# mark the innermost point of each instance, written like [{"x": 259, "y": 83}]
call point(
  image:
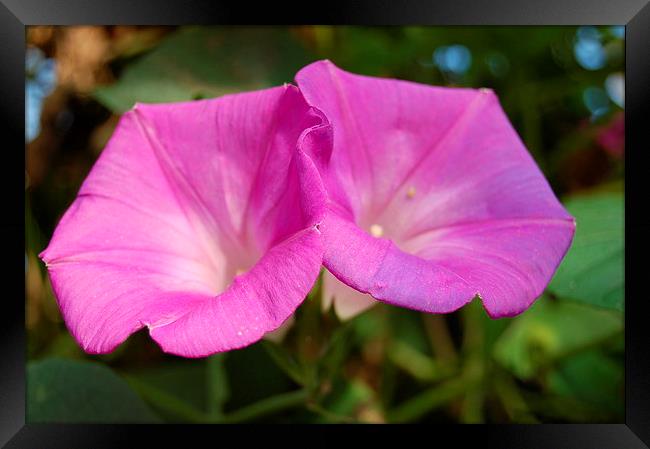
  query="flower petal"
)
[
  {"x": 184, "y": 198},
  {"x": 435, "y": 198},
  {"x": 256, "y": 303},
  {"x": 347, "y": 301},
  {"x": 378, "y": 267}
]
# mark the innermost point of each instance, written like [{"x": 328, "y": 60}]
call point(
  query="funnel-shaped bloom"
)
[
  {"x": 199, "y": 221},
  {"x": 433, "y": 198}
]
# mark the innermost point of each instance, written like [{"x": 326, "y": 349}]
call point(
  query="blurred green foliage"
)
[
  {"x": 551, "y": 331},
  {"x": 198, "y": 62},
  {"x": 560, "y": 361}
]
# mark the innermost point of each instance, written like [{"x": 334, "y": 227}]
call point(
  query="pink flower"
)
[
  {"x": 199, "y": 221},
  {"x": 433, "y": 198}
]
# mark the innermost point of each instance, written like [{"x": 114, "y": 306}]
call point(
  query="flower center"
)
[
  {"x": 376, "y": 230},
  {"x": 232, "y": 261},
  {"x": 386, "y": 224},
  {"x": 410, "y": 193}
]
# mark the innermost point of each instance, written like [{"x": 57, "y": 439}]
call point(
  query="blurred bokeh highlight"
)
[{"x": 561, "y": 361}]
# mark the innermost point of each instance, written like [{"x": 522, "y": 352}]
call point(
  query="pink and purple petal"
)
[
  {"x": 199, "y": 221},
  {"x": 434, "y": 198}
]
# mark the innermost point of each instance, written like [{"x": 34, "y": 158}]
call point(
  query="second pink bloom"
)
[{"x": 433, "y": 198}]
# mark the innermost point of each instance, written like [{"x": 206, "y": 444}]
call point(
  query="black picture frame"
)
[{"x": 634, "y": 14}]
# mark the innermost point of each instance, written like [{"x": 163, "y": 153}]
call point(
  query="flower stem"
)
[
  {"x": 217, "y": 385},
  {"x": 440, "y": 339},
  {"x": 333, "y": 417},
  {"x": 429, "y": 400},
  {"x": 512, "y": 401},
  {"x": 177, "y": 407},
  {"x": 266, "y": 406}
]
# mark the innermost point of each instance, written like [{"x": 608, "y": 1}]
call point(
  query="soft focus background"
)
[{"x": 561, "y": 361}]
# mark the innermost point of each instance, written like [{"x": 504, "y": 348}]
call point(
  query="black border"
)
[{"x": 635, "y": 14}]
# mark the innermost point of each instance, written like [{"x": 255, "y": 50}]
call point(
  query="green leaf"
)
[
  {"x": 408, "y": 328},
  {"x": 350, "y": 402},
  {"x": 371, "y": 324},
  {"x": 551, "y": 330},
  {"x": 285, "y": 361},
  {"x": 557, "y": 408},
  {"x": 60, "y": 390},
  {"x": 255, "y": 377},
  {"x": 337, "y": 349},
  {"x": 169, "y": 406},
  {"x": 184, "y": 379},
  {"x": 202, "y": 62},
  {"x": 593, "y": 271},
  {"x": 592, "y": 377},
  {"x": 413, "y": 361}
]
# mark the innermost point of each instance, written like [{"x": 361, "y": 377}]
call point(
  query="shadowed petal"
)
[
  {"x": 347, "y": 301},
  {"x": 434, "y": 197},
  {"x": 198, "y": 221}
]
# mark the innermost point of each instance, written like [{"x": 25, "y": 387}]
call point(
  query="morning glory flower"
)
[
  {"x": 199, "y": 221},
  {"x": 433, "y": 198}
]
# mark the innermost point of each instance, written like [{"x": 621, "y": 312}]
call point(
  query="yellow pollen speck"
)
[
  {"x": 410, "y": 192},
  {"x": 376, "y": 230},
  {"x": 240, "y": 271}
]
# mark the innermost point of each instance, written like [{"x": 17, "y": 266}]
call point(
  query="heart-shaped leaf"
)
[
  {"x": 73, "y": 391},
  {"x": 593, "y": 270}
]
